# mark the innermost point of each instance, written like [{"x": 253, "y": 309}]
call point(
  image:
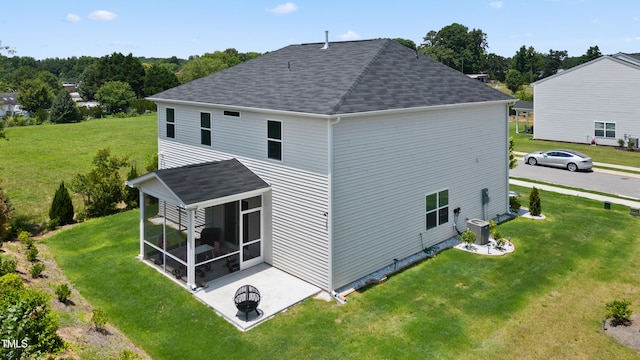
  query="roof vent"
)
[{"x": 326, "y": 40}]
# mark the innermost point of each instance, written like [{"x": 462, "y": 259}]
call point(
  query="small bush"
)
[
  {"x": 36, "y": 270},
  {"x": 618, "y": 311},
  {"x": 63, "y": 292},
  {"x": 11, "y": 282},
  {"x": 468, "y": 237},
  {"x": 128, "y": 355},
  {"x": 61, "y": 207},
  {"x": 514, "y": 203},
  {"x": 8, "y": 265},
  {"x": 99, "y": 319},
  {"x": 630, "y": 145},
  {"x": 32, "y": 254},
  {"x": 535, "y": 208},
  {"x": 621, "y": 142}
]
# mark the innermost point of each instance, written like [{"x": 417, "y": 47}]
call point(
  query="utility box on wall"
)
[{"x": 481, "y": 229}]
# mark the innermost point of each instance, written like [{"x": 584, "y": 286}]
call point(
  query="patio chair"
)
[{"x": 209, "y": 236}]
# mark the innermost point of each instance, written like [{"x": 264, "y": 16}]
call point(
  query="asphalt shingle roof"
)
[
  {"x": 348, "y": 77},
  {"x": 207, "y": 181}
]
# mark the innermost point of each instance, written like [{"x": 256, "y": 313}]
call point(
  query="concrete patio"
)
[{"x": 278, "y": 291}]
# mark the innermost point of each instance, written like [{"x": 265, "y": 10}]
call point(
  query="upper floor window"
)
[
  {"x": 437, "y": 209},
  {"x": 171, "y": 126},
  {"x": 205, "y": 128},
  {"x": 232, "y": 113},
  {"x": 274, "y": 140},
  {"x": 605, "y": 129}
]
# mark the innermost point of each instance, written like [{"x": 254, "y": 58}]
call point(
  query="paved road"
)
[{"x": 611, "y": 183}]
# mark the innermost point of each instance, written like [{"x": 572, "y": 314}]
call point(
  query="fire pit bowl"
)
[{"x": 247, "y": 299}]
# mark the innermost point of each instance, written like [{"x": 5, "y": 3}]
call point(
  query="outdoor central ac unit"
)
[{"x": 481, "y": 229}]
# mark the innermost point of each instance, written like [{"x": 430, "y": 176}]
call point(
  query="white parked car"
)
[{"x": 565, "y": 159}]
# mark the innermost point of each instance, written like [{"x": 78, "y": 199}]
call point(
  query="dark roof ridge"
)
[{"x": 360, "y": 76}]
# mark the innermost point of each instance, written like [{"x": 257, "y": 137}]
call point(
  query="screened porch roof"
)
[{"x": 201, "y": 185}]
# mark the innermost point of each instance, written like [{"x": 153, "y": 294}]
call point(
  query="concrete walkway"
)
[{"x": 632, "y": 203}]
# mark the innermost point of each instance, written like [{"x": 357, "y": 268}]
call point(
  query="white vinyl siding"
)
[
  {"x": 305, "y": 139},
  {"x": 384, "y": 167},
  {"x": 295, "y": 233},
  {"x": 567, "y": 105}
]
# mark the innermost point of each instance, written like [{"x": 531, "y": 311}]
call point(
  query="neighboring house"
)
[
  {"x": 597, "y": 100},
  {"x": 10, "y": 104},
  {"x": 327, "y": 161}
]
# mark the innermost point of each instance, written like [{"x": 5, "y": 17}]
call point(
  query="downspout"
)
[
  {"x": 330, "y": 124},
  {"x": 143, "y": 216}
]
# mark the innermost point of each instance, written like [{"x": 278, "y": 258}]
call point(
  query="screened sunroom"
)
[{"x": 201, "y": 222}]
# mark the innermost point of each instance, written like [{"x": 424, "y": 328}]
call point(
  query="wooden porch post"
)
[{"x": 191, "y": 249}]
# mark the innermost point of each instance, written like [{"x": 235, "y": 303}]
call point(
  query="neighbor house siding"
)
[
  {"x": 385, "y": 165},
  {"x": 567, "y": 105},
  {"x": 304, "y": 140},
  {"x": 297, "y": 242}
]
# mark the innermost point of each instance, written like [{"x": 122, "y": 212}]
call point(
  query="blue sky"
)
[{"x": 64, "y": 28}]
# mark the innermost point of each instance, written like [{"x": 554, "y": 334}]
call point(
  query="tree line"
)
[{"x": 118, "y": 82}]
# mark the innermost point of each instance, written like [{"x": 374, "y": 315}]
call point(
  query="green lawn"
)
[
  {"x": 37, "y": 158},
  {"x": 546, "y": 300}
]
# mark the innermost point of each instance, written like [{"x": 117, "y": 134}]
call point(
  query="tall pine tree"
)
[
  {"x": 534, "y": 202},
  {"x": 61, "y": 206}
]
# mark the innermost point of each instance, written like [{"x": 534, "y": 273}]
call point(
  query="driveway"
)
[{"x": 610, "y": 182}]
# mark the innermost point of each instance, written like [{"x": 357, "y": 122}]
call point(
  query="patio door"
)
[{"x": 251, "y": 232}]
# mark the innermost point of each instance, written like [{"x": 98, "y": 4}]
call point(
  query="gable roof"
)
[
  {"x": 196, "y": 184},
  {"x": 347, "y": 77},
  {"x": 523, "y": 106},
  {"x": 620, "y": 58},
  {"x": 9, "y": 98}
]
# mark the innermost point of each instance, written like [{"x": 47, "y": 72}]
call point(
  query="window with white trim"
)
[
  {"x": 205, "y": 128},
  {"x": 274, "y": 140},
  {"x": 605, "y": 129},
  {"x": 436, "y": 209},
  {"x": 170, "y": 121}
]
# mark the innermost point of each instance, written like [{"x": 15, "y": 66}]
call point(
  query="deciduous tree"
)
[
  {"x": 102, "y": 187},
  {"x": 35, "y": 95},
  {"x": 115, "y": 96},
  {"x": 457, "y": 47}
]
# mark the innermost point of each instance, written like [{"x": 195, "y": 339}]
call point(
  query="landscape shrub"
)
[
  {"x": 36, "y": 269},
  {"x": 32, "y": 254},
  {"x": 621, "y": 142},
  {"x": 468, "y": 237},
  {"x": 101, "y": 188},
  {"x": 535, "y": 208},
  {"x": 630, "y": 145},
  {"x": 514, "y": 204},
  {"x": 128, "y": 355},
  {"x": 8, "y": 265},
  {"x": 618, "y": 311},
  {"x": 11, "y": 282},
  {"x": 63, "y": 292},
  {"x": 99, "y": 319},
  {"x": 131, "y": 195},
  {"x": 61, "y": 207},
  {"x": 5, "y": 216},
  {"x": 25, "y": 316}
]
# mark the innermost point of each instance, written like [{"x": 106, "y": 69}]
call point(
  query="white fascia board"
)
[{"x": 226, "y": 199}]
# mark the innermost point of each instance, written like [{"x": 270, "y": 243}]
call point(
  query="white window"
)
[
  {"x": 436, "y": 209},
  {"x": 605, "y": 129},
  {"x": 171, "y": 123}
]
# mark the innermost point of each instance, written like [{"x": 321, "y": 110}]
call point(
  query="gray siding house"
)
[
  {"x": 597, "y": 100},
  {"x": 363, "y": 152}
]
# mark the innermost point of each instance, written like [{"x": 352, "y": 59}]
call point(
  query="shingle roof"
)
[
  {"x": 523, "y": 105},
  {"x": 207, "y": 181},
  {"x": 348, "y": 77}
]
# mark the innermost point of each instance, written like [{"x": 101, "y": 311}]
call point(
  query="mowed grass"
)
[
  {"x": 544, "y": 301},
  {"x": 37, "y": 158}
]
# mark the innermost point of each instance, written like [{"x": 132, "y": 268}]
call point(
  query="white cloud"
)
[
  {"x": 349, "y": 35},
  {"x": 637, "y": 38},
  {"x": 284, "y": 8},
  {"x": 72, "y": 17},
  {"x": 496, "y": 4},
  {"x": 102, "y": 15}
]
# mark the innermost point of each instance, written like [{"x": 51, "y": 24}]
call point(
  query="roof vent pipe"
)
[{"x": 326, "y": 40}]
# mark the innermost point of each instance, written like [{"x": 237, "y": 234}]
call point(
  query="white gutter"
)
[{"x": 330, "y": 124}]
